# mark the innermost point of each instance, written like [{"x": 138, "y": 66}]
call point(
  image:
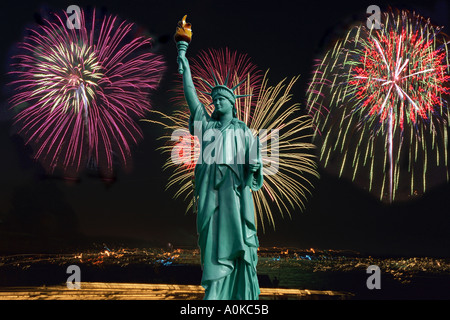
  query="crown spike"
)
[
  {"x": 207, "y": 83},
  {"x": 226, "y": 79},
  {"x": 216, "y": 82},
  {"x": 236, "y": 86},
  {"x": 243, "y": 95}
]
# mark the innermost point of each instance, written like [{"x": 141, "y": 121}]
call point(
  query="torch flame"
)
[{"x": 184, "y": 31}]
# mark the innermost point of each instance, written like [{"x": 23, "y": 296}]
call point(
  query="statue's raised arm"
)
[
  {"x": 188, "y": 85},
  {"x": 183, "y": 37}
]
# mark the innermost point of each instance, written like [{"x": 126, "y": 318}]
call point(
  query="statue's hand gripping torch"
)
[{"x": 183, "y": 36}]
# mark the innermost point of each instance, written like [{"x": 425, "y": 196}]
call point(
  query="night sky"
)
[{"x": 42, "y": 213}]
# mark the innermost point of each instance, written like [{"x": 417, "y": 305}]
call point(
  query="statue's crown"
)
[{"x": 223, "y": 87}]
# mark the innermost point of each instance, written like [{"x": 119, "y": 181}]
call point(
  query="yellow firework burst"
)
[{"x": 284, "y": 132}]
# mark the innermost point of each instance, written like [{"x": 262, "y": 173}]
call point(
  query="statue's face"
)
[{"x": 222, "y": 105}]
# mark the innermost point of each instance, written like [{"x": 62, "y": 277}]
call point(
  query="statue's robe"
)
[{"x": 225, "y": 211}]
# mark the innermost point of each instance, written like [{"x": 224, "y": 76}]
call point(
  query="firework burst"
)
[
  {"x": 80, "y": 91},
  {"x": 283, "y": 133},
  {"x": 377, "y": 99}
]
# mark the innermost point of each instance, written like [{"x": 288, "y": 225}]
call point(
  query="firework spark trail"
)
[
  {"x": 268, "y": 109},
  {"x": 391, "y": 152},
  {"x": 80, "y": 91},
  {"x": 388, "y": 86}
]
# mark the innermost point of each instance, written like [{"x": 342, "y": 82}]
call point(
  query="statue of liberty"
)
[{"x": 230, "y": 168}]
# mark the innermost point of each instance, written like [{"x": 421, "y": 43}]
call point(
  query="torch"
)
[{"x": 182, "y": 38}]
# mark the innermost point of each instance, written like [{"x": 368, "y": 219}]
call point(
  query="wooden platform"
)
[{"x": 135, "y": 291}]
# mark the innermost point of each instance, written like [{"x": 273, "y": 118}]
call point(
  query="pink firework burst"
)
[
  {"x": 223, "y": 63},
  {"x": 79, "y": 92}
]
